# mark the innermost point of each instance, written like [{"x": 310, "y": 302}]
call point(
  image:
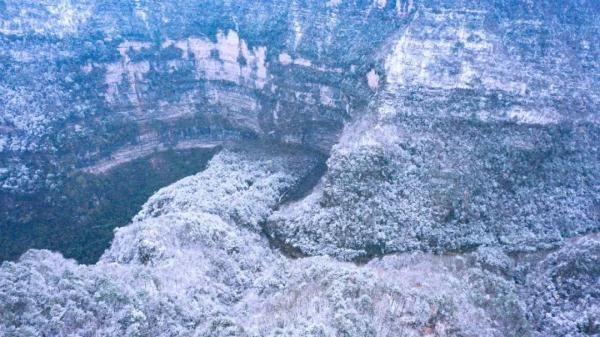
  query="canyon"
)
[{"x": 305, "y": 168}]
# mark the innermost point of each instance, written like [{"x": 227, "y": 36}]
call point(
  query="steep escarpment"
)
[
  {"x": 88, "y": 87},
  {"x": 91, "y": 85},
  {"x": 470, "y": 140},
  {"x": 460, "y": 197}
]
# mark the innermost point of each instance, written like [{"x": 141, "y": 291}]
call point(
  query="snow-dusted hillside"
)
[
  {"x": 195, "y": 262},
  {"x": 384, "y": 168}
]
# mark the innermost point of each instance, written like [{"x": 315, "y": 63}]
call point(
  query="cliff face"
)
[
  {"x": 484, "y": 131},
  {"x": 89, "y": 84},
  {"x": 461, "y": 195},
  {"x": 86, "y": 81}
]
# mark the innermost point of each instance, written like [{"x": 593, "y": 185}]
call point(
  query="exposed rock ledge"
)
[{"x": 133, "y": 152}]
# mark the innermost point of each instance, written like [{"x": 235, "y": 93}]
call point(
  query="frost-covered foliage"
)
[
  {"x": 203, "y": 272},
  {"x": 565, "y": 287},
  {"x": 458, "y": 150},
  {"x": 59, "y": 18},
  {"x": 18, "y": 177},
  {"x": 182, "y": 296},
  {"x": 475, "y": 138},
  {"x": 173, "y": 274},
  {"x": 400, "y": 183},
  {"x": 399, "y": 295},
  {"x": 241, "y": 186},
  {"x": 28, "y": 114},
  {"x": 44, "y": 294}
]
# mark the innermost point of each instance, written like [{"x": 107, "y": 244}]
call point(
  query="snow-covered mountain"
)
[
  {"x": 196, "y": 262},
  {"x": 460, "y": 194}
]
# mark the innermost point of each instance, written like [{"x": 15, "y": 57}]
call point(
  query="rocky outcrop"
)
[
  {"x": 116, "y": 72},
  {"x": 470, "y": 141},
  {"x": 460, "y": 198}
]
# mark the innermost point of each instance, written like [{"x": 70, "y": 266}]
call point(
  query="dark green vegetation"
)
[{"x": 78, "y": 218}]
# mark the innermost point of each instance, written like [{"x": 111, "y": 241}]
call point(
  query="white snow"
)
[
  {"x": 373, "y": 79},
  {"x": 226, "y": 66},
  {"x": 193, "y": 261}
]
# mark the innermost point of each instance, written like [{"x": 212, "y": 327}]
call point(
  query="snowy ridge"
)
[{"x": 193, "y": 264}]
